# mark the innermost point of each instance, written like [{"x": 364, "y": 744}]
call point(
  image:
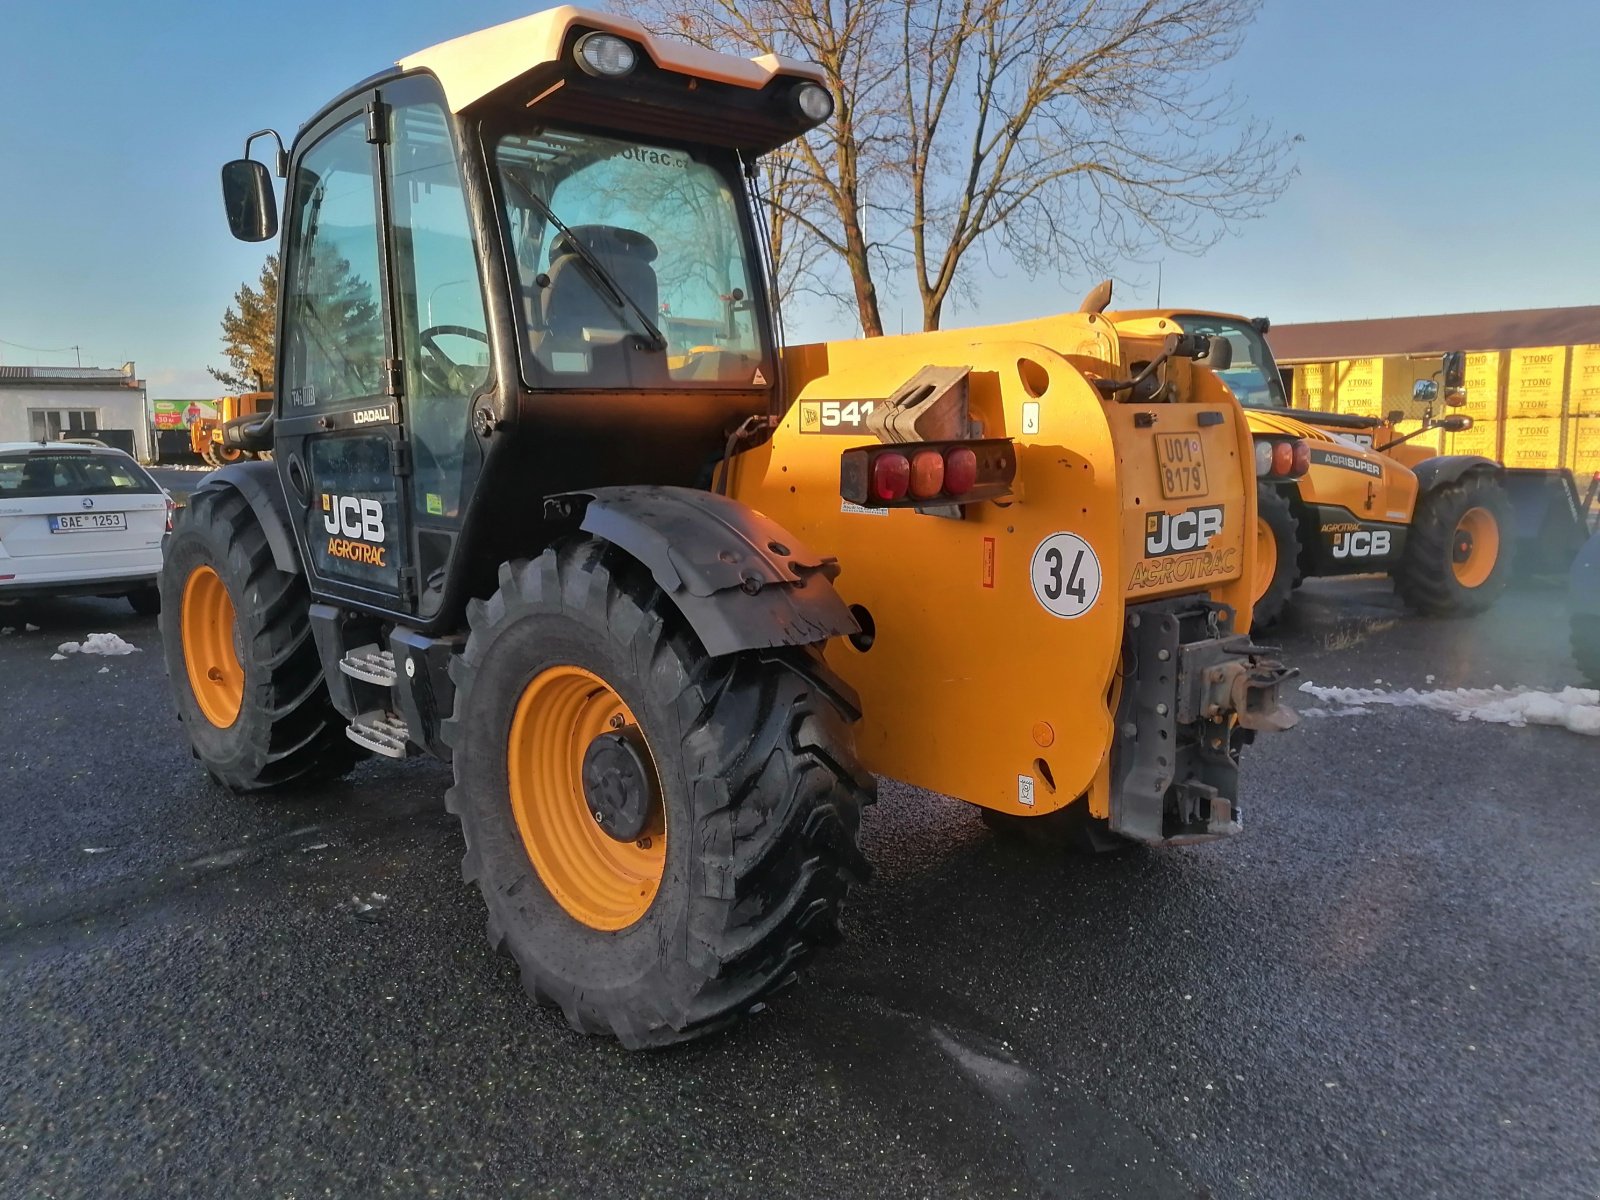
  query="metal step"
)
[
  {"x": 371, "y": 664},
  {"x": 381, "y": 732}
]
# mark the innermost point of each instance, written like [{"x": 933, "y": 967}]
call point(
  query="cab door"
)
[{"x": 340, "y": 449}]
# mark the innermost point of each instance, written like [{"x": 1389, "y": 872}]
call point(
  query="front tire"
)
[
  {"x": 243, "y": 667},
  {"x": 1457, "y": 557},
  {"x": 146, "y": 601},
  {"x": 1277, "y": 556},
  {"x": 708, "y": 904}
]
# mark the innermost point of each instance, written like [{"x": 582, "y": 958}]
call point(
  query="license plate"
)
[
  {"x": 86, "y": 522},
  {"x": 1181, "y": 461}
]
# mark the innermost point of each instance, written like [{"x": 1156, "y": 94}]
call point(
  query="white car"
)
[{"x": 77, "y": 519}]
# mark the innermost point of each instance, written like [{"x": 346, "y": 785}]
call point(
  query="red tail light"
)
[
  {"x": 1282, "y": 458},
  {"x": 1302, "y": 458},
  {"x": 960, "y": 470},
  {"x": 171, "y": 508},
  {"x": 932, "y": 474},
  {"x": 891, "y": 476}
]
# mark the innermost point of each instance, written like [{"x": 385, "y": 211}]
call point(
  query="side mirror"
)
[
  {"x": 1455, "y": 423},
  {"x": 248, "y": 197},
  {"x": 1219, "y": 353},
  {"x": 1455, "y": 368},
  {"x": 1395, "y": 416},
  {"x": 1261, "y": 325},
  {"x": 1424, "y": 389}
]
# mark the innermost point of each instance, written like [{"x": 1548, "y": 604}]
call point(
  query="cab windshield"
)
[
  {"x": 632, "y": 267},
  {"x": 1253, "y": 378}
]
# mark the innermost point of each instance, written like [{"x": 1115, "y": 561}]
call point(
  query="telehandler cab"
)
[
  {"x": 1446, "y": 528},
  {"x": 549, "y": 501}
]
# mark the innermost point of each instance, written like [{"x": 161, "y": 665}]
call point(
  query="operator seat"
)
[{"x": 573, "y": 301}]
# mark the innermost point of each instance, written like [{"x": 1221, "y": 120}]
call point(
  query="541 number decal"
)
[
  {"x": 835, "y": 416},
  {"x": 1065, "y": 575}
]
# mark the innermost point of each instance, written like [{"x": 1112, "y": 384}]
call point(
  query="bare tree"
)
[{"x": 1068, "y": 132}]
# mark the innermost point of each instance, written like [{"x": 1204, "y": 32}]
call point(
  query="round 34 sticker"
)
[{"x": 1065, "y": 574}]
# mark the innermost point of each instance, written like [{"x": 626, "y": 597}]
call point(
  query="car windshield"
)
[
  {"x": 69, "y": 474},
  {"x": 645, "y": 240},
  {"x": 1253, "y": 376}
]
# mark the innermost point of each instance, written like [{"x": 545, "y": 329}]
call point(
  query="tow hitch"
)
[{"x": 1193, "y": 692}]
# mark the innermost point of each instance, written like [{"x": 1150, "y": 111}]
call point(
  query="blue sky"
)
[{"x": 1449, "y": 164}]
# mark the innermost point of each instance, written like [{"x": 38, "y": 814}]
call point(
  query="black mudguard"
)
[
  {"x": 1447, "y": 468},
  {"x": 741, "y": 580},
  {"x": 258, "y": 483}
]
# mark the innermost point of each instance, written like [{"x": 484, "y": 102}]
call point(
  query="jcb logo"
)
[
  {"x": 1178, "y": 533},
  {"x": 353, "y": 517},
  {"x": 1363, "y": 543}
]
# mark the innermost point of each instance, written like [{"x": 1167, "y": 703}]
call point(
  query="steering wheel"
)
[{"x": 451, "y": 379}]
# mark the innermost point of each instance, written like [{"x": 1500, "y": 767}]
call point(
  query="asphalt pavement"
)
[
  {"x": 1385, "y": 987},
  {"x": 179, "y": 481}
]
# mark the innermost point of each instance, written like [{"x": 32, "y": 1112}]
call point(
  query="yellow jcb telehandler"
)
[
  {"x": 209, "y": 438},
  {"x": 666, "y": 602},
  {"x": 1370, "y": 499}
]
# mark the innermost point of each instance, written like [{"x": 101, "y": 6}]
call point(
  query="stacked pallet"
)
[{"x": 1532, "y": 407}]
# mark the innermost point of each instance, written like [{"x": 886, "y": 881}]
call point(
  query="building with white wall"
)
[{"x": 41, "y": 403}]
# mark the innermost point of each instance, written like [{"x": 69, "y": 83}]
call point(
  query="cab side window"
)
[
  {"x": 444, "y": 344},
  {"x": 334, "y": 317}
]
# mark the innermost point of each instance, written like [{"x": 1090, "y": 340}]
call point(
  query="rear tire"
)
[
  {"x": 757, "y": 798},
  {"x": 1277, "y": 533},
  {"x": 146, "y": 601},
  {"x": 255, "y": 660},
  {"x": 1457, "y": 558}
]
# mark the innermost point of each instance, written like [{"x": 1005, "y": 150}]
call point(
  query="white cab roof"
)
[{"x": 476, "y": 64}]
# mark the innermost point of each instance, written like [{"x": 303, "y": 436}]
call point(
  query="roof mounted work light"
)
[
  {"x": 814, "y": 102},
  {"x": 604, "y": 54}
]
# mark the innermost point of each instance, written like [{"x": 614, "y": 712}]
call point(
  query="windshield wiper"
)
[{"x": 620, "y": 300}]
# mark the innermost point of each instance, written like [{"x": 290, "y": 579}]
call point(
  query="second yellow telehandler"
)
[{"x": 1449, "y": 529}]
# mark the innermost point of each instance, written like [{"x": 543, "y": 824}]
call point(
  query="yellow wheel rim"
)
[
  {"x": 1475, "y": 548},
  {"x": 602, "y": 883},
  {"x": 210, "y": 652},
  {"x": 1266, "y": 559}
]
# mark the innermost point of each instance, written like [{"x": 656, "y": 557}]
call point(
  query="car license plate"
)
[
  {"x": 1181, "y": 460},
  {"x": 85, "y": 522}
]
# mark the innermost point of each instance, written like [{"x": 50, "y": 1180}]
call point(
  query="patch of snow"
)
[
  {"x": 31, "y": 628},
  {"x": 8, "y": 629},
  {"x": 58, "y": 658},
  {"x": 104, "y": 643},
  {"x": 97, "y": 849},
  {"x": 1577, "y": 709},
  {"x": 103, "y": 671},
  {"x": 69, "y": 647}
]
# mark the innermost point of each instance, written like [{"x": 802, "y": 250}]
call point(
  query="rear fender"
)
[
  {"x": 740, "y": 579},
  {"x": 258, "y": 483},
  {"x": 1448, "y": 468}
]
